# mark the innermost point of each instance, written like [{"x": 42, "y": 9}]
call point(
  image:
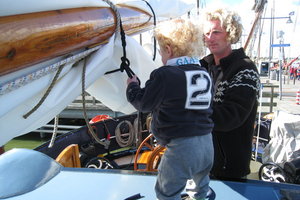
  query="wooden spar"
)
[
  {"x": 258, "y": 8},
  {"x": 29, "y": 39},
  {"x": 252, "y": 30}
]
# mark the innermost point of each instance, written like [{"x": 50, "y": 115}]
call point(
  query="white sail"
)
[{"x": 109, "y": 89}]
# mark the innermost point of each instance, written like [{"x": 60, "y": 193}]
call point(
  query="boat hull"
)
[{"x": 49, "y": 180}]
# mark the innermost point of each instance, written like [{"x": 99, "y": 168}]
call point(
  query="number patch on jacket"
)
[{"x": 198, "y": 90}]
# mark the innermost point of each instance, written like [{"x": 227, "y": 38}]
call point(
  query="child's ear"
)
[{"x": 169, "y": 51}]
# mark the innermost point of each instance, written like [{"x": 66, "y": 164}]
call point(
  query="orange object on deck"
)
[{"x": 99, "y": 118}]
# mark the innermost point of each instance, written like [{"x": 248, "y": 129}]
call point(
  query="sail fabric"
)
[
  {"x": 285, "y": 138},
  {"x": 19, "y": 6},
  {"x": 162, "y": 8},
  {"x": 109, "y": 89}
]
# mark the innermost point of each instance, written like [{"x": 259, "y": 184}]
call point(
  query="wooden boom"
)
[{"x": 28, "y": 39}]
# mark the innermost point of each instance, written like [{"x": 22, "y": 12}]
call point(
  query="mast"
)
[{"x": 259, "y": 9}]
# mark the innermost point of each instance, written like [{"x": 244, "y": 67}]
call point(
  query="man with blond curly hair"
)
[
  {"x": 179, "y": 95},
  {"x": 236, "y": 83}
]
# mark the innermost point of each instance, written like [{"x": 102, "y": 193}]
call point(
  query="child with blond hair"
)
[{"x": 179, "y": 96}]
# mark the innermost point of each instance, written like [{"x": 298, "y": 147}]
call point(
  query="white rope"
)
[
  {"x": 259, "y": 121},
  {"x": 137, "y": 130},
  {"x": 116, "y": 11},
  {"x": 56, "y": 118}
]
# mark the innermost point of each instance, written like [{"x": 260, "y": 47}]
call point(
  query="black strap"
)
[
  {"x": 154, "y": 22},
  {"x": 125, "y": 62}
]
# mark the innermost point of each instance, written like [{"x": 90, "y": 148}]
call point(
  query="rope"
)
[
  {"x": 124, "y": 142},
  {"x": 61, "y": 67},
  {"x": 106, "y": 142},
  {"x": 46, "y": 93},
  {"x": 16, "y": 83},
  {"x": 154, "y": 22},
  {"x": 124, "y": 66},
  {"x": 116, "y": 11},
  {"x": 125, "y": 62},
  {"x": 137, "y": 130},
  {"x": 54, "y": 132},
  {"x": 118, "y": 26}
]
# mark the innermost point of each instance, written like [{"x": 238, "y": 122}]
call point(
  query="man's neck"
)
[{"x": 218, "y": 57}]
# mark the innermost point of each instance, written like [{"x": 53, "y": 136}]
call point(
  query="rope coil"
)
[{"x": 120, "y": 140}]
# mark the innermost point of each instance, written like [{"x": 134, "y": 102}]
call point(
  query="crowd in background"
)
[{"x": 295, "y": 72}]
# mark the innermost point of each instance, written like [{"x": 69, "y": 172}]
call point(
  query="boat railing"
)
[
  {"x": 268, "y": 98},
  {"x": 93, "y": 108},
  {"x": 75, "y": 111},
  {"x": 60, "y": 129}
]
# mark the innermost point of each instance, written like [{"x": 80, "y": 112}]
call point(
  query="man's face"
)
[{"x": 215, "y": 38}]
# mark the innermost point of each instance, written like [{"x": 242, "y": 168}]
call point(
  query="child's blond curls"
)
[{"x": 183, "y": 36}]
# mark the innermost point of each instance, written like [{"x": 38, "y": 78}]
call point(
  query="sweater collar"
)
[
  {"x": 226, "y": 61},
  {"x": 236, "y": 53}
]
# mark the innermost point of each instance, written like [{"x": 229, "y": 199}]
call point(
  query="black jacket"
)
[
  {"x": 234, "y": 112},
  {"x": 180, "y": 108}
]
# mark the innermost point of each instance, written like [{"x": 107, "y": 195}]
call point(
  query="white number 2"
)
[{"x": 198, "y": 90}]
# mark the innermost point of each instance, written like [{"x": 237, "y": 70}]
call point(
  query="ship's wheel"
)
[{"x": 149, "y": 159}]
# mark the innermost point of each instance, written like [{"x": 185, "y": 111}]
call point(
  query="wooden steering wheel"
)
[{"x": 154, "y": 157}]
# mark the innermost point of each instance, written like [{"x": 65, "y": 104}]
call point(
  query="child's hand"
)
[{"x": 133, "y": 79}]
